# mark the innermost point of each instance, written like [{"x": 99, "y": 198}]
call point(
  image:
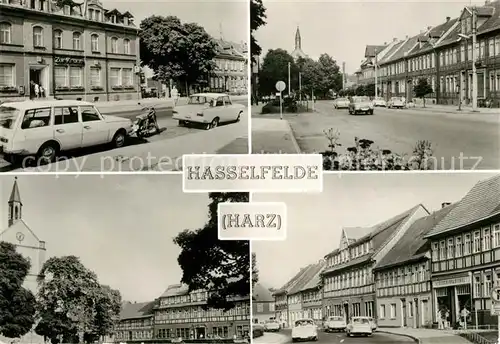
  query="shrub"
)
[
  {"x": 364, "y": 157},
  {"x": 290, "y": 105}
]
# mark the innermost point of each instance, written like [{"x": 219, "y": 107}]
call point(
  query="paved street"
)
[
  {"x": 198, "y": 141},
  {"x": 337, "y": 338},
  {"x": 474, "y": 136}
]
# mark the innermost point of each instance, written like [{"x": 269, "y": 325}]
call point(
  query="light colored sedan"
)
[
  {"x": 360, "y": 105},
  {"x": 46, "y": 127},
  {"x": 379, "y": 102},
  {"x": 341, "y": 103},
  {"x": 335, "y": 323},
  {"x": 304, "y": 330},
  {"x": 209, "y": 110},
  {"x": 396, "y": 102},
  {"x": 359, "y": 326},
  {"x": 272, "y": 326}
]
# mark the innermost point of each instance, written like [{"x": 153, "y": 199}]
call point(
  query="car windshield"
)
[
  {"x": 341, "y": 99},
  {"x": 363, "y": 321},
  {"x": 360, "y": 100},
  {"x": 396, "y": 99},
  {"x": 200, "y": 100},
  {"x": 335, "y": 319},
  {"x": 8, "y": 116},
  {"x": 304, "y": 322}
]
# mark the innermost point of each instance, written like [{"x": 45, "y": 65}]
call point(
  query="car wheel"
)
[
  {"x": 119, "y": 139},
  {"x": 348, "y": 334},
  {"x": 213, "y": 124},
  {"x": 315, "y": 339},
  {"x": 182, "y": 123},
  {"x": 47, "y": 153},
  {"x": 371, "y": 112}
]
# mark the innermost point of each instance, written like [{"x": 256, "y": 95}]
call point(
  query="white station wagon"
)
[
  {"x": 44, "y": 128},
  {"x": 208, "y": 109}
]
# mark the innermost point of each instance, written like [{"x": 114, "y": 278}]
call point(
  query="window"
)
[
  {"x": 61, "y": 76},
  {"x": 496, "y": 235},
  {"x": 219, "y": 102},
  {"x": 486, "y": 239},
  {"x": 491, "y": 47},
  {"x": 89, "y": 114},
  {"x": 450, "y": 248},
  {"x": 114, "y": 45},
  {"x": 7, "y": 75},
  {"x": 477, "y": 286},
  {"x": 58, "y": 39},
  {"x": 260, "y": 307},
  {"x": 77, "y": 41},
  {"x": 458, "y": 246},
  {"x": 410, "y": 308},
  {"x": 5, "y": 33},
  {"x": 468, "y": 245},
  {"x": 94, "y": 43},
  {"x": 227, "y": 101},
  {"x": 382, "y": 311},
  {"x": 114, "y": 77},
  {"x": 36, "y": 118},
  {"x": 95, "y": 77},
  {"x": 37, "y": 36},
  {"x": 442, "y": 250},
  {"x": 75, "y": 76},
  {"x": 477, "y": 242},
  {"x": 488, "y": 284},
  {"x": 126, "y": 46},
  {"x": 497, "y": 45},
  {"x": 127, "y": 77}
]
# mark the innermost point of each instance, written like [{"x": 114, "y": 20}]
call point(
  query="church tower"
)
[
  {"x": 15, "y": 204},
  {"x": 297, "y": 52}
]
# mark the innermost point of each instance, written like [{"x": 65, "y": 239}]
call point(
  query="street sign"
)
[
  {"x": 495, "y": 294},
  {"x": 278, "y": 94},
  {"x": 280, "y": 86}
]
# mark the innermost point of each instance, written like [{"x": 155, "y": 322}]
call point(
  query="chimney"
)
[
  {"x": 429, "y": 27},
  {"x": 385, "y": 43},
  {"x": 394, "y": 39},
  {"x": 445, "y": 204},
  {"x": 448, "y": 19},
  {"x": 407, "y": 37}
]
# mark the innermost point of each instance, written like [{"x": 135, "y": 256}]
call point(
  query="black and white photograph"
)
[
  {"x": 136, "y": 83},
  {"x": 374, "y": 85},
  {"x": 383, "y": 258},
  {"x": 120, "y": 259}
]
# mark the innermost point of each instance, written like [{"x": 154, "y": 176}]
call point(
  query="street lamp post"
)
[
  {"x": 376, "y": 77},
  {"x": 289, "y": 65},
  {"x": 459, "y": 96},
  {"x": 300, "y": 87},
  {"x": 474, "y": 57}
]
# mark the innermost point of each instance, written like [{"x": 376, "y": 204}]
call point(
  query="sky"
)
[
  {"x": 344, "y": 28},
  {"x": 315, "y": 221},
  {"x": 121, "y": 227}
]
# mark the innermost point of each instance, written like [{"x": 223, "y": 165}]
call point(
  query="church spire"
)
[
  {"x": 15, "y": 205},
  {"x": 297, "y": 39}
]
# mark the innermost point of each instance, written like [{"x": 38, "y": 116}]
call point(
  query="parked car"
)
[
  {"x": 379, "y": 102},
  {"x": 359, "y": 326},
  {"x": 335, "y": 324},
  {"x": 209, "y": 110},
  {"x": 396, "y": 102},
  {"x": 341, "y": 103},
  {"x": 304, "y": 330},
  {"x": 361, "y": 105},
  {"x": 257, "y": 330},
  {"x": 272, "y": 326},
  {"x": 45, "y": 128}
]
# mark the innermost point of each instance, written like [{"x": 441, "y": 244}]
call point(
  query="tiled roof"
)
[
  {"x": 304, "y": 279},
  {"x": 261, "y": 293},
  {"x": 315, "y": 280},
  {"x": 440, "y": 30},
  {"x": 15, "y": 195},
  {"x": 371, "y": 50},
  {"x": 289, "y": 285},
  {"x": 494, "y": 21},
  {"x": 412, "y": 244},
  {"x": 405, "y": 48},
  {"x": 231, "y": 48},
  {"x": 451, "y": 38},
  {"x": 356, "y": 232},
  {"x": 175, "y": 290},
  {"x": 482, "y": 201},
  {"x": 391, "y": 51},
  {"x": 137, "y": 310}
]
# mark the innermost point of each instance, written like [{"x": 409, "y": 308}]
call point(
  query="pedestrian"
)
[
  {"x": 32, "y": 89},
  {"x": 175, "y": 94},
  {"x": 37, "y": 90},
  {"x": 42, "y": 92}
]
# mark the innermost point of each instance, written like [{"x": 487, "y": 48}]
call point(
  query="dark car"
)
[{"x": 360, "y": 105}]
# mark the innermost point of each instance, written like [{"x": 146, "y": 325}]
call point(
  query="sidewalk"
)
[
  {"x": 454, "y": 109},
  {"x": 270, "y": 338},
  {"x": 273, "y": 136},
  {"x": 427, "y": 336}
]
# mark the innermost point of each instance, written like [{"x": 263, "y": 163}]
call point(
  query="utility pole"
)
[
  {"x": 289, "y": 65},
  {"x": 376, "y": 77},
  {"x": 343, "y": 75},
  {"x": 474, "y": 58}
]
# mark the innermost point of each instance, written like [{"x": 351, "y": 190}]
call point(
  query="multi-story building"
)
[
  {"x": 443, "y": 55},
  {"x": 231, "y": 74},
  {"x": 465, "y": 257},
  {"x": 262, "y": 304},
  {"x": 179, "y": 313},
  {"x": 311, "y": 294},
  {"x": 403, "y": 278},
  {"x": 348, "y": 285},
  {"x": 70, "y": 50},
  {"x": 136, "y": 322}
]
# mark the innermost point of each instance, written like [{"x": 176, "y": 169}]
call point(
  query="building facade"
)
[
  {"x": 136, "y": 322},
  {"x": 311, "y": 294},
  {"x": 348, "y": 284},
  {"x": 70, "y": 51},
  {"x": 231, "y": 74},
  {"x": 403, "y": 277},
  {"x": 443, "y": 55},
  {"x": 262, "y": 304},
  {"x": 180, "y": 314},
  {"x": 466, "y": 255}
]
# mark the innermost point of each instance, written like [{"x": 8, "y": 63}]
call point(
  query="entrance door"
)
[
  {"x": 346, "y": 312},
  {"x": 425, "y": 311},
  {"x": 35, "y": 76},
  {"x": 417, "y": 314},
  {"x": 200, "y": 332},
  {"x": 405, "y": 313}
]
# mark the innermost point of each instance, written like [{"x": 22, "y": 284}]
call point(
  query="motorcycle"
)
[{"x": 146, "y": 123}]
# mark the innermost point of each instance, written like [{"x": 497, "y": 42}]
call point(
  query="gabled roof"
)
[
  {"x": 356, "y": 233},
  {"x": 408, "y": 45},
  {"x": 412, "y": 244},
  {"x": 137, "y": 310},
  {"x": 175, "y": 290},
  {"x": 261, "y": 293},
  {"x": 481, "y": 202},
  {"x": 451, "y": 38},
  {"x": 304, "y": 279},
  {"x": 20, "y": 226},
  {"x": 493, "y": 22},
  {"x": 391, "y": 52},
  {"x": 440, "y": 30},
  {"x": 315, "y": 280},
  {"x": 292, "y": 282},
  {"x": 372, "y": 50}
]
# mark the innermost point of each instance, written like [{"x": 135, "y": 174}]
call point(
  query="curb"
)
[
  {"x": 418, "y": 340},
  {"x": 282, "y": 340},
  {"x": 293, "y": 139}
]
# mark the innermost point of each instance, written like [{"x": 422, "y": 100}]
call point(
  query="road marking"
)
[{"x": 342, "y": 340}]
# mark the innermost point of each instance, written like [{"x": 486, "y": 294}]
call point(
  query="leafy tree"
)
[
  {"x": 257, "y": 19},
  {"x": 370, "y": 90},
  {"x": 17, "y": 304},
  {"x": 72, "y": 302},
  {"x": 181, "y": 52},
  {"x": 422, "y": 88},
  {"x": 274, "y": 69},
  {"x": 331, "y": 75},
  {"x": 312, "y": 76},
  {"x": 220, "y": 266},
  {"x": 360, "y": 90},
  {"x": 255, "y": 270}
]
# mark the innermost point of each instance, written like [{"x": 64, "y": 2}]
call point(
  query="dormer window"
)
[
  {"x": 67, "y": 10},
  {"x": 125, "y": 20},
  {"x": 113, "y": 19}
]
